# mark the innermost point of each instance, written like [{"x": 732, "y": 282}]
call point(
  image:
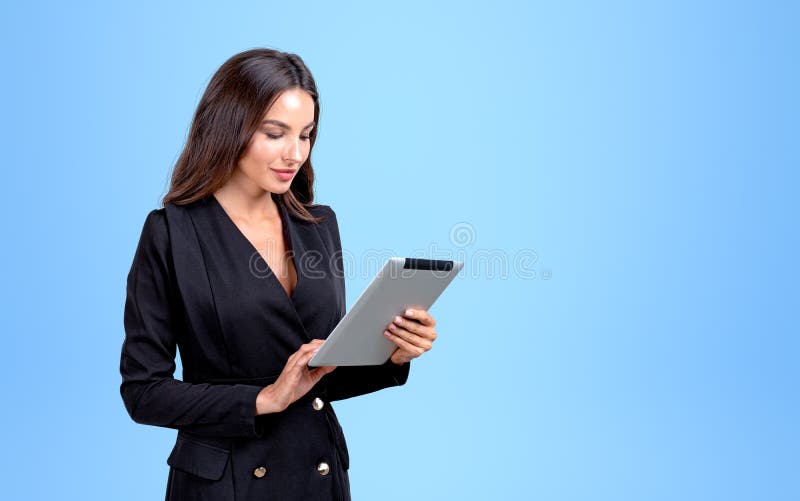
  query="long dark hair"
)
[{"x": 228, "y": 114}]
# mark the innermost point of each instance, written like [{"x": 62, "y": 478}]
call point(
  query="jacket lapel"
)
[{"x": 193, "y": 284}]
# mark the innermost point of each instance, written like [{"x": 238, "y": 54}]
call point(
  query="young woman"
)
[{"x": 242, "y": 273}]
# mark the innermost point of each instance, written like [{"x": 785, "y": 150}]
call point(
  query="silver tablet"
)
[{"x": 402, "y": 283}]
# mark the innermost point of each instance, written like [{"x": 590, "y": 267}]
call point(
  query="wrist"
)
[{"x": 267, "y": 401}]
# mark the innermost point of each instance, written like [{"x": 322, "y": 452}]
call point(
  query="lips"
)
[{"x": 284, "y": 174}]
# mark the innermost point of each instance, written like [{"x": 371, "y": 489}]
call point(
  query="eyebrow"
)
[{"x": 283, "y": 125}]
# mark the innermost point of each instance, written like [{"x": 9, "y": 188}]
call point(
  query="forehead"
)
[{"x": 293, "y": 106}]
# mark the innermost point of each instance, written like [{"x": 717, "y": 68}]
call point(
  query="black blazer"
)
[{"x": 197, "y": 284}]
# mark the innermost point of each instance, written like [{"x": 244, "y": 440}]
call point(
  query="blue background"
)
[{"x": 644, "y": 152}]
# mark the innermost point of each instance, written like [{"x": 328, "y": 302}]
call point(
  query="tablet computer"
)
[{"x": 402, "y": 283}]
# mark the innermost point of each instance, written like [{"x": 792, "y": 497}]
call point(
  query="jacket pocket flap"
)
[{"x": 204, "y": 460}]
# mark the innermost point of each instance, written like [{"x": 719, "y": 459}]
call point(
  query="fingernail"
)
[
  {"x": 387, "y": 333},
  {"x": 410, "y": 313}
]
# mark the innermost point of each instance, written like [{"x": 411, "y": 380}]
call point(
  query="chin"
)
[{"x": 280, "y": 189}]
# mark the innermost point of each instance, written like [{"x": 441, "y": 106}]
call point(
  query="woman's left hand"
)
[{"x": 413, "y": 333}]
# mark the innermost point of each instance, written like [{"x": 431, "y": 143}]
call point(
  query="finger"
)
[
  {"x": 305, "y": 348},
  {"x": 422, "y": 316},
  {"x": 313, "y": 344},
  {"x": 403, "y": 344},
  {"x": 306, "y": 356},
  {"x": 292, "y": 360},
  {"x": 409, "y": 325},
  {"x": 415, "y": 327},
  {"x": 310, "y": 346},
  {"x": 411, "y": 337},
  {"x": 317, "y": 373},
  {"x": 400, "y": 356}
]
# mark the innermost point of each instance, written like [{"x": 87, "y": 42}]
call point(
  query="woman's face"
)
[{"x": 281, "y": 143}]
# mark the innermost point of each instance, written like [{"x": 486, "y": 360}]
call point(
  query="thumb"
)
[{"x": 316, "y": 374}]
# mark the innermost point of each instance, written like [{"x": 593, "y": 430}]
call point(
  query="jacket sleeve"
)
[
  {"x": 153, "y": 320},
  {"x": 347, "y": 382}
]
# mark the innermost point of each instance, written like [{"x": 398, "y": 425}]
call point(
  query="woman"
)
[{"x": 242, "y": 273}]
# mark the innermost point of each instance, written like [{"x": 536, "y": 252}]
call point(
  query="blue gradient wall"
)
[{"x": 632, "y": 166}]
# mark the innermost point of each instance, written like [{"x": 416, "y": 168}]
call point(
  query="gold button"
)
[
  {"x": 260, "y": 472},
  {"x": 323, "y": 468},
  {"x": 318, "y": 404}
]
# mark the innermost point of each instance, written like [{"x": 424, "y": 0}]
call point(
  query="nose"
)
[{"x": 294, "y": 152}]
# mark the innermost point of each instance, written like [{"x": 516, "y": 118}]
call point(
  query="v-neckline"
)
[{"x": 288, "y": 243}]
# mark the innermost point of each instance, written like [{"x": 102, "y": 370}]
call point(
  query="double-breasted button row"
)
[{"x": 323, "y": 469}]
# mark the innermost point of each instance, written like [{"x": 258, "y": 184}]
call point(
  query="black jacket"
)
[{"x": 197, "y": 284}]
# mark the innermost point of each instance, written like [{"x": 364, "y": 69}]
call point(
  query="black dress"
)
[{"x": 197, "y": 284}]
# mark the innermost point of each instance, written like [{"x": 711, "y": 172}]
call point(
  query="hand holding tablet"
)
[{"x": 413, "y": 333}]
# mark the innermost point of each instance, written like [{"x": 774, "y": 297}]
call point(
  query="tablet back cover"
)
[{"x": 401, "y": 283}]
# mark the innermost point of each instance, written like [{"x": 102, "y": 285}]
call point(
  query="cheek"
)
[{"x": 261, "y": 154}]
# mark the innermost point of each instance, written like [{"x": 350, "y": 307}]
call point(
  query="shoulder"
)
[
  {"x": 155, "y": 233},
  {"x": 321, "y": 210},
  {"x": 152, "y": 261},
  {"x": 329, "y": 226},
  {"x": 156, "y": 221},
  {"x": 158, "y": 215},
  {"x": 326, "y": 214}
]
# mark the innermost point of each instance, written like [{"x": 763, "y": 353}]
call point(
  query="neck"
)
[{"x": 248, "y": 202}]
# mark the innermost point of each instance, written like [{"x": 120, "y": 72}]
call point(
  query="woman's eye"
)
[{"x": 278, "y": 136}]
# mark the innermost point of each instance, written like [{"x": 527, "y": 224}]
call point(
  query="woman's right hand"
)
[{"x": 294, "y": 381}]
